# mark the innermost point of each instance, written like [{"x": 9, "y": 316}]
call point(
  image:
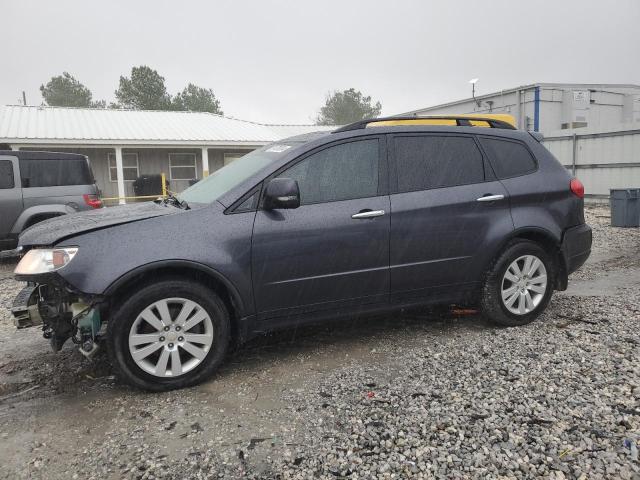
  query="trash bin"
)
[
  {"x": 146, "y": 185},
  {"x": 625, "y": 207}
]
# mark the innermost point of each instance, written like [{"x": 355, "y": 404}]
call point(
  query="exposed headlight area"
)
[{"x": 45, "y": 260}]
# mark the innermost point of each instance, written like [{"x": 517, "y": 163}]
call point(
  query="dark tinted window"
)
[
  {"x": 341, "y": 172},
  {"x": 54, "y": 173},
  {"x": 508, "y": 159},
  {"x": 433, "y": 161},
  {"x": 6, "y": 174}
]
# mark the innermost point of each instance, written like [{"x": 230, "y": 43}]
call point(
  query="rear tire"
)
[
  {"x": 519, "y": 284},
  {"x": 170, "y": 334}
]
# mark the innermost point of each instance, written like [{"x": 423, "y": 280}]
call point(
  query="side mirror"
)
[{"x": 282, "y": 193}]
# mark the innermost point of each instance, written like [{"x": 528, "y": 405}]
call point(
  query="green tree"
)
[
  {"x": 144, "y": 90},
  {"x": 65, "y": 91},
  {"x": 196, "y": 99},
  {"x": 346, "y": 107}
]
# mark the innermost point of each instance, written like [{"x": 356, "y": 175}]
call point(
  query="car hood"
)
[{"x": 50, "y": 232}]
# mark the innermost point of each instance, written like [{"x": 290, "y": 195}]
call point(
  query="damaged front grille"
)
[{"x": 61, "y": 312}]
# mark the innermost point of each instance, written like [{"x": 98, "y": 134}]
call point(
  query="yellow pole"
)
[{"x": 164, "y": 185}]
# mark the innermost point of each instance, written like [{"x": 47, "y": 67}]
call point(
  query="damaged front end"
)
[
  {"x": 62, "y": 314},
  {"x": 50, "y": 302}
]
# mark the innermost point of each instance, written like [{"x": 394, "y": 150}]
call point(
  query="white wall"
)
[
  {"x": 603, "y": 160},
  {"x": 601, "y": 108}
]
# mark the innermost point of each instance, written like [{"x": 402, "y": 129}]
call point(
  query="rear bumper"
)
[{"x": 576, "y": 246}]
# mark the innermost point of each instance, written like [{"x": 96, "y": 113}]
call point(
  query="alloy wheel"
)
[
  {"x": 524, "y": 284},
  {"x": 170, "y": 337}
]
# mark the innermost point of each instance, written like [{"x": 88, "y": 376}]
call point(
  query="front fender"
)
[
  {"x": 202, "y": 238},
  {"x": 179, "y": 264}
]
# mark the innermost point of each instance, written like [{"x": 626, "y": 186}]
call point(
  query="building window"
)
[
  {"x": 230, "y": 157},
  {"x": 130, "y": 167},
  {"x": 182, "y": 166}
]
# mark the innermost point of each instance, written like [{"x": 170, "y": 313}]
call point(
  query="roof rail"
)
[{"x": 491, "y": 120}]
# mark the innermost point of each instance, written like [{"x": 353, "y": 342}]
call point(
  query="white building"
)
[
  {"x": 549, "y": 107},
  {"x": 124, "y": 144},
  {"x": 593, "y": 129}
]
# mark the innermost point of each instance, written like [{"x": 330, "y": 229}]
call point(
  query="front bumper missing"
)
[
  {"x": 25, "y": 308},
  {"x": 62, "y": 313}
]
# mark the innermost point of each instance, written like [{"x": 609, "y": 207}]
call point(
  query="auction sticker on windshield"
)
[{"x": 278, "y": 148}]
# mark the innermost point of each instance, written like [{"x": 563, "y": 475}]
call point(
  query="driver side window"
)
[{"x": 341, "y": 172}]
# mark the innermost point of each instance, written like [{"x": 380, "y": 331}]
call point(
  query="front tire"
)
[
  {"x": 170, "y": 334},
  {"x": 519, "y": 284}
]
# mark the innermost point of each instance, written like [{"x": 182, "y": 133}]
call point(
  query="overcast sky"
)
[{"x": 274, "y": 61}]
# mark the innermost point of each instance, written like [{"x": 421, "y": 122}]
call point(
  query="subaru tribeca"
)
[{"x": 374, "y": 216}]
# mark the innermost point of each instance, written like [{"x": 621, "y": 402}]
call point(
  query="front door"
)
[
  {"x": 10, "y": 195},
  {"x": 333, "y": 251},
  {"x": 448, "y": 215}
]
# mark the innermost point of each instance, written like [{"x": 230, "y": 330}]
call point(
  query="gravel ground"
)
[{"x": 407, "y": 396}]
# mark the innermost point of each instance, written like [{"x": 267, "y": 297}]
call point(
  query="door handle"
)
[
  {"x": 490, "y": 198},
  {"x": 367, "y": 214}
]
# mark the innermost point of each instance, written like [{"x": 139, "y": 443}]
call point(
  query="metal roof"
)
[{"x": 62, "y": 125}]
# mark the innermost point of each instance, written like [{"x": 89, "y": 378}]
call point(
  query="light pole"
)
[{"x": 473, "y": 82}]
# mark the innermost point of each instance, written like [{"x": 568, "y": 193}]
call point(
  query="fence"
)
[{"x": 601, "y": 160}]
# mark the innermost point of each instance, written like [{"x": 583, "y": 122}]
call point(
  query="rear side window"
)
[
  {"x": 437, "y": 161},
  {"x": 341, "y": 172},
  {"x": 54, "y": 173},
  {"x": 509, "y": 159},
  {"x": 6, "y": 174}
]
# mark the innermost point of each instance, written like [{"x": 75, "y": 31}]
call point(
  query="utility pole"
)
[{"x": 24, "y": 98}]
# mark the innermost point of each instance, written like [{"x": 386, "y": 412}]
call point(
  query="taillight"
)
[
  {"x": 92, "y": 200},
  {"x": 577, "y": 187}
]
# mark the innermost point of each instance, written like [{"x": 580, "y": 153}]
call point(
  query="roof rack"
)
[{"x": 488, "y": 120}]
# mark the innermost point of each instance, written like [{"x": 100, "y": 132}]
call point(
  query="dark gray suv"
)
[{"x": 375, "y": 216}]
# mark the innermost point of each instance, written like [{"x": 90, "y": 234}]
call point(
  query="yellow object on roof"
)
[{"x": 479, "y": 120}]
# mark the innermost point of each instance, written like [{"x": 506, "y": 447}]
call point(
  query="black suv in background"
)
[{"x": 375, "y": 216}]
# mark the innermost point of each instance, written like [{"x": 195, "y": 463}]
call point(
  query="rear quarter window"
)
[
  {"x": 6, "y": 174},
  {"x": 508, "y": 158},
  {"x": 54, "y": 172}
]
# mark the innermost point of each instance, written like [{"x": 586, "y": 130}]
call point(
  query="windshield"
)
[{"x": 233, "y": 174}]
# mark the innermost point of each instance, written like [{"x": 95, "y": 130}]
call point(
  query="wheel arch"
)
[
  {"x": 43, "y": 212},
  {"x": 186, "y": 269},
  {"x": 546, "y": 239}
]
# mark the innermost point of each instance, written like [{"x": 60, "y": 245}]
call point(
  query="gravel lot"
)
[{"x": 413, "y": 395}]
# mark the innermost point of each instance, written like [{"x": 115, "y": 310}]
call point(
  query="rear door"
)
[
  {"x": 448, "y": 215},
  {"x": 333, "y": 251},
  {"x": 10, "y": 194}
]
